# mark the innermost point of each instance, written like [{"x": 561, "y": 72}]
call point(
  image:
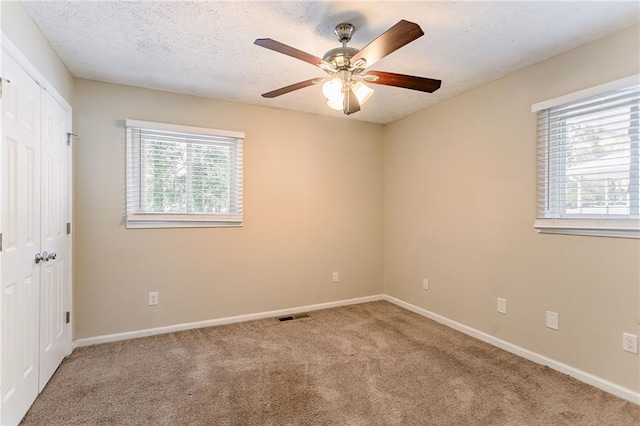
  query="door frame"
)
[{"x": 23, "y": 62}]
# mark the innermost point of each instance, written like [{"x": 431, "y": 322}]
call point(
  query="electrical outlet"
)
[
  {"x": 502, "y": 305},
  {"x": 153, "y": 298},
  {"x": 425, "y": 284},
  {"x": 552, "y": 320},
  {"x": 335, "y": 277},
  {"x": 630, "y": 343}
]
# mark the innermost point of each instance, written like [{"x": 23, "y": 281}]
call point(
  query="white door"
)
[
  {"x": 54, "y": 334},
  {"x": 20, "y": 192}
]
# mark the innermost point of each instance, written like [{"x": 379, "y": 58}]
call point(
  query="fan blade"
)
[
  {"x": 405, "y": 81},
  {"x": 292, "y": 87},
  {"x": 291, "y": 51},
  {"x": 394, "y": 38},
  {"x": 350, "y": 102}
]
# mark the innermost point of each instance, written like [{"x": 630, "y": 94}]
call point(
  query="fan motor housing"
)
[{"x": 340, "y": 57}]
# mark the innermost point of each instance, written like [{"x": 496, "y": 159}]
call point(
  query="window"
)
[
  {"x": 589, "y": 161},
  {"x": 179, "y": 176}
]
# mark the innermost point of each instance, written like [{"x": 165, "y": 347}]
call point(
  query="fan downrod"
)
[{"x": 340, "y": 57}]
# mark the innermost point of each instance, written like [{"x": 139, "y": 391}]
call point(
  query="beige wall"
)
[
  {"x": 313, "y": 205},
  {"x": 460, "y": 202},
  {"x": 18, "y": 26}
]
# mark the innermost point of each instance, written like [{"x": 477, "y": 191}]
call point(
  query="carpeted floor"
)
[{"x": 369, "y": 364}]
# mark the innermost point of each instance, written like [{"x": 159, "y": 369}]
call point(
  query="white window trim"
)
[
  {"x": 622, "y": 228},
  {"x": 189, "y": 220},
  {"x": 183, "y": 129},
  {"x": 177, "y": 220},
  {"x": 606, "y": 227},
  {"x": 586, "y": 93}
]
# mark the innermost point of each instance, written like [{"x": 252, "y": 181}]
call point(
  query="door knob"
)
[{"x": 45, "y": 257}]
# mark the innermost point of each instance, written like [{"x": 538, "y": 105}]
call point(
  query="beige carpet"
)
[{"x": 369, "y": 364}]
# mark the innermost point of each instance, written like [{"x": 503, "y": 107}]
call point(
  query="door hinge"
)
[
  {"x": 2, "y": 80},
  {"x": 69, "y": 135},
  {"x": 68, "y": 228},
  {"x": 0, "y": 241},
  {"x": 67, "y": 317}
]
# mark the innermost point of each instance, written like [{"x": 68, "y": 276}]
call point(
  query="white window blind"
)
[
  {"x": 589, "y": 164},
  {"x": 183, "y": 176}
]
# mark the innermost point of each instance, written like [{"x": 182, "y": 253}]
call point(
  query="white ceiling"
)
[{"x": 206, "y": 48}]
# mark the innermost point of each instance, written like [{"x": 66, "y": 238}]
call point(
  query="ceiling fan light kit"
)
[
  {"x": 334, "y": 90},
  {"x": 345, "y": 88}
]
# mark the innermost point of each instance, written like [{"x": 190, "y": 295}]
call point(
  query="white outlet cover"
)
[
  {"x": 552, "y": 320},
  {"x": 335, "y": 277},
  {"x": 153, "y": 298},
  {"x": 502, "y": 305},
  {"x": 630, "y": 343},
  {"x": 425, "y": 284}
]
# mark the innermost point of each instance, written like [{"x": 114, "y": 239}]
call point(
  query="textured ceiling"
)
[{"x": 206, "y": 48}]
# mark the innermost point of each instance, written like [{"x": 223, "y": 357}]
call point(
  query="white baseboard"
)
[
  {"x": 583, "y": 376},
  {"x": 219, "y": 321}
]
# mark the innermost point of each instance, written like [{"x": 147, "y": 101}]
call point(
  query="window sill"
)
[
  {"x": 156, "y": 225},
  {"x": 619, "y": 228},
  {"x": 171, "y": 221}
]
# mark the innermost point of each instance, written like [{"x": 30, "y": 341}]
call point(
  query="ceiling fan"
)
[{"x": 345, "y": 88}]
